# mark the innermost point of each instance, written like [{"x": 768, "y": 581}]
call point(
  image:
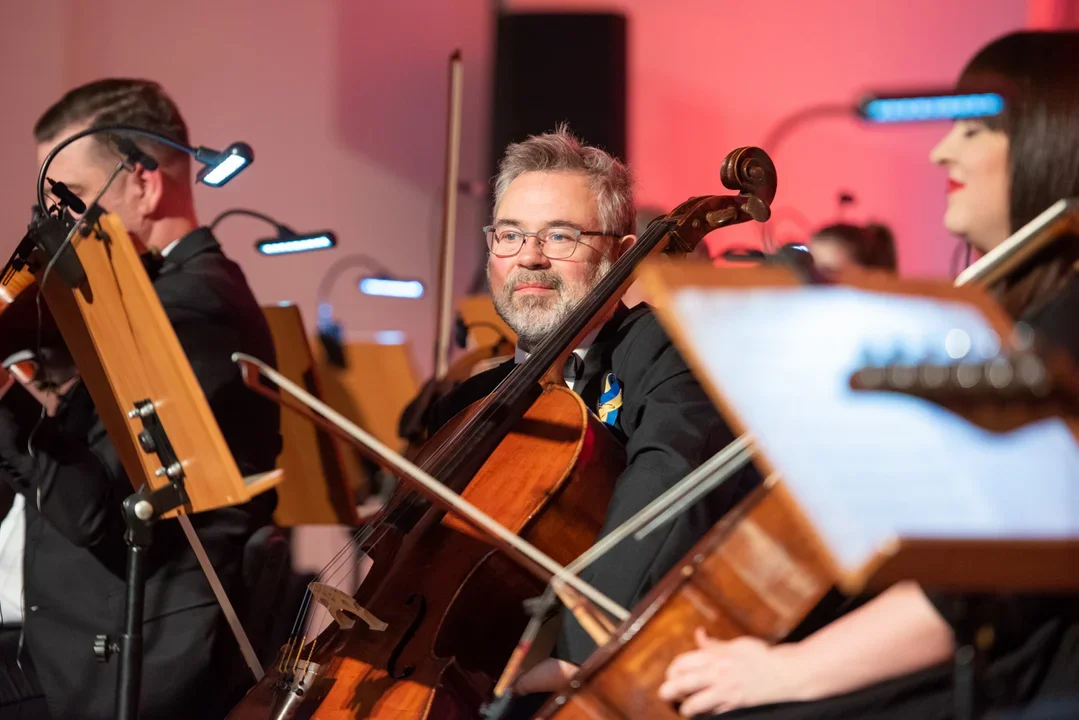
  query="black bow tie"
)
[{"x": 152, "y": 261}]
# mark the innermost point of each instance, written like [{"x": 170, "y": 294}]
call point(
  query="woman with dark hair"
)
[
  {"x": 837, "y": 247},
  {"x": 891, "y": 655}
]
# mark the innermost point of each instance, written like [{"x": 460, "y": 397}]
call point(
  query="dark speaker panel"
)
[{"x": 553, "y": 68}]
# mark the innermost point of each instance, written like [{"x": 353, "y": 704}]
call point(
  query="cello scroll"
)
[{"x": 748, "y": 170}]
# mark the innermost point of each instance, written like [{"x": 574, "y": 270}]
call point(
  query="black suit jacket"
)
[
  {"x": 74, "y": 485},
  {"x": 669, "y": 427}
]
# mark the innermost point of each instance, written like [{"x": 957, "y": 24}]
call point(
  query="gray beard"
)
[{"x": 534, "y": 317}]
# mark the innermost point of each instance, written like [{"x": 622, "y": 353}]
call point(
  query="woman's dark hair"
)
[
  {"x": 872, "y": 246},
  {"x": 1039, "y": 76}
]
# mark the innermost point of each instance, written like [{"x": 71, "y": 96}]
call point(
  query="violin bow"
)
[
  {"x": 998, "y": 263},
  {"x": 449, "y": 217}
]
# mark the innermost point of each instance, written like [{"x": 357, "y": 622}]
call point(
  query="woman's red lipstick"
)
[{"x": 954, "y": 185}]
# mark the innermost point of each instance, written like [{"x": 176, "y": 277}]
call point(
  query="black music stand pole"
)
[
  {"x": 138, "y": 536},
  {"x": 141, "y": 510}
]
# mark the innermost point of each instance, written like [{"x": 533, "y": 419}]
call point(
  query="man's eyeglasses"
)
[{"x": 556, "y": 243}]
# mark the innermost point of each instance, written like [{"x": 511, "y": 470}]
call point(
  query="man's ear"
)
[
  {"x": 624, "y": 245},
  {"x": 149, "y": 187}
]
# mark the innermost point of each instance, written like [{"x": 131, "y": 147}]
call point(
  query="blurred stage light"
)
[
  {"x": 298, "y": 244},
  {"x": 929, "y": 107},
  {"x": 220, "y": 167},
  {"x": 391, "y": 287}
]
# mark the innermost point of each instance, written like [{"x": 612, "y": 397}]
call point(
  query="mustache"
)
[{"x": 545, "y": 277}]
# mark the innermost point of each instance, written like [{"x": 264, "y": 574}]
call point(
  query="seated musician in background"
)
[
  {"x": 73, "y": 482},
  {"x": 892, "y": 656},
  {"x": 836, "y": 247},
  {"x": 563, "y": 215}
]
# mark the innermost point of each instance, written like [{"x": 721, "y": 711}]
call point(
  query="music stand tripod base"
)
[{"x": 141, "y": 510}]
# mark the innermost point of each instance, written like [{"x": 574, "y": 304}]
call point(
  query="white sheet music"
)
[{"x": 869, "y": 466}]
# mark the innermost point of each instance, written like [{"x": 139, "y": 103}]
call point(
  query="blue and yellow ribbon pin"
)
[{"x": 610, "y": 401}]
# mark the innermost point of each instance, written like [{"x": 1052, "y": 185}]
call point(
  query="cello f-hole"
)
[{"x": 421, "y": 613}]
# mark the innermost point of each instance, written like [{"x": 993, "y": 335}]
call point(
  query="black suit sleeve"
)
[
  {"x": 671, "y": 427},
  {"x": 73, "y": 475}
]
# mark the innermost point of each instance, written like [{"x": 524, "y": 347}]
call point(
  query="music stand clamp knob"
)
[{"x": 104, "y": 649}]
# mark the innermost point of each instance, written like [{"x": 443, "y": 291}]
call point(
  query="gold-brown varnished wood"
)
[
  {"x": 564, "y": 514},
  {"x": 758, "y": 572},
  {"x": 318, "y": 487},
  {"x": 372, "y": 390},
  {"x": 126, "y": 351}
]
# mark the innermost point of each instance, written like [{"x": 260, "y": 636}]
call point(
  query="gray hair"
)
[{"x": 562, "y": 151}]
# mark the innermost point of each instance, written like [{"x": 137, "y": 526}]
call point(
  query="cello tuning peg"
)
[
  {"x": 719, "y": 218},
  {"x": 1000, "y": 373},
  {"x": 933, "y": 376},
  {"x": 1031, "y": 372},
  {"x": 757, "y": 209},
  {"x": 902, "y": 377}
]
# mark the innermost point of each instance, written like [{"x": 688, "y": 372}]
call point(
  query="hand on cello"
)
[
  {"x": 720, "y": 676},
  {"x": 547, "y": 676}
]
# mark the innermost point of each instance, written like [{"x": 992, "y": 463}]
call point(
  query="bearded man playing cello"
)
[{"x": 563, "y": 215}]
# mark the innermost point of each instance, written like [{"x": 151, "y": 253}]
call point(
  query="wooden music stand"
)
[
  {"x": 151, "y": 405},
  {"x": 372, "y": 389},
  {"x": 478, "y": 313},
  {"x": 894, "y": 487},
  {"x": 319, "y": 485},
  {"x": 884, "y": 486}
]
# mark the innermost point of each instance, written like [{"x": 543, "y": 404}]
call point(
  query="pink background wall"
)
[
  {"x": 344, "y": 105},
  {"x": 711, "y": 75}
]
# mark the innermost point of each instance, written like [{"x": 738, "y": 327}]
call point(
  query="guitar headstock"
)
[{"x": 999, "y": 390}]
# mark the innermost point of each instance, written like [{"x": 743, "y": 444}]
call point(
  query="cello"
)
[{"x": 431, "y": 577}]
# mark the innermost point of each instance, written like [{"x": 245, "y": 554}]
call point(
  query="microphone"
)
[{"x": 67, "y": 197}]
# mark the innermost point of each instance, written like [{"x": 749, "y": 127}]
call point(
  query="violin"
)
[
  {"x": 758, "y": 571},
  {"x": 448, "y": 607},
  {"x": 26, "y": 324}
]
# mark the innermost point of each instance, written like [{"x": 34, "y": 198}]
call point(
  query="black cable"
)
[
  {"x": 463, "y": 329},
  {"x": 197, "y": 153},
  {"x": 348, "y": 262},
  {"x": 280, "y": 227}
]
